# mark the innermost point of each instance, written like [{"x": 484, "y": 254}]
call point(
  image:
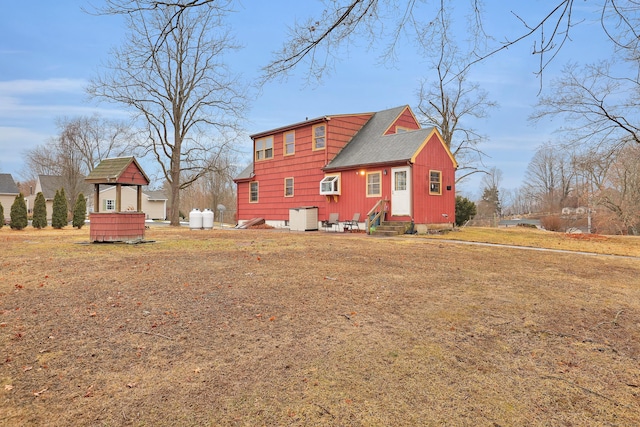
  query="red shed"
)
[
  {"x": 117, "y": 225},
  {"x": 364, "y": 164}
]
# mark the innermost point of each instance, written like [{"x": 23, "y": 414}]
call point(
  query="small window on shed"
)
[
  {"x": 435, "y": 182},
  {"x": 330, "y": 185}
]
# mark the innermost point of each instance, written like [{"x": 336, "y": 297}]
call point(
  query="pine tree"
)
[
  {"x": 39, "y": 212},
  {"x": 465, "y": 210},
  {"x": 59, "y": 217},
  {"x": 1, "y": 216},
  {"x": 19, "y": 213},
  {"x": 79, "y": 211}
]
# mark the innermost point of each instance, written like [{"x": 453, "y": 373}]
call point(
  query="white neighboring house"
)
[
  {"x": 8, "y": 192},
  {"x": 154, "y": 203},
  {"x": 48, "y": 185}
]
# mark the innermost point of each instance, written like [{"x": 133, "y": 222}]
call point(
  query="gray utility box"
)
[{"x": 304, "y": 218}]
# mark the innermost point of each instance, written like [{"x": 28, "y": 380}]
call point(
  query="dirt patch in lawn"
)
[{"x": 264, "y": 327}]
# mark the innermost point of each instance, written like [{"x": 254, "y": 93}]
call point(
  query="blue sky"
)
[{"x": 49, "y": 50}]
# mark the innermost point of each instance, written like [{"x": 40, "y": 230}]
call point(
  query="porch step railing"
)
[{"x": 377, "y": 214}]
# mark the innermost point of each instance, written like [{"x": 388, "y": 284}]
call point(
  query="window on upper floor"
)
[
  {"x": 330, "y": 185},
  {"x": 253, "y": 192},
  {"x": 264, "y": 148},
  {"x": 288, "y": 187},
  {"x": 109, "y": 205},
  {"x": 374, "y": 187},
  {"x": 289, "y": 143},
  {"x": 435, "y": 182},
  {"x": 319, "y": 137}
]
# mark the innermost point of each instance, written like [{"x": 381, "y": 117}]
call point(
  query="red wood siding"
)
[
  {"x": 132, "y": 175},
  {"x": 341, "y": 130},
  {"x": 405, "y": 120},
  {"x": 429, "y": 208},
  {"x": 305, "y": 166}
]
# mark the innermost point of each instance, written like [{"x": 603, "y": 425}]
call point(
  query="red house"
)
[{"x": 366, "y": 163}]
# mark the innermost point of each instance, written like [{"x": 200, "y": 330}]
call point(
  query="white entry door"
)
[{"x": 401, "y": 191}]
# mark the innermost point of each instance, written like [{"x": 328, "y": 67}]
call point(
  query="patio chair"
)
[
  {"x": 350, "y": 223},
  {"x": 331, "y": 222}
]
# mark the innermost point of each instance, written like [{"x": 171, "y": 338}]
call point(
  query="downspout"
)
[{"x": 326, "y": 144}]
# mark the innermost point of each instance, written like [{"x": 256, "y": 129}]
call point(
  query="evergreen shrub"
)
[
  {"x": 19, "y": 213},
  {"x": 39, "y": 211},
  {"x": 60, "y": 210}
]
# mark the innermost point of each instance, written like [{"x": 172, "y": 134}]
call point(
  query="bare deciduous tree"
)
[
  {"x": 94, "y": 139},
  {"x": 446, "y": 100},
  {"x": 179, "y": 88},
  {"x": 611, "y": 183},
  {"x": 79, "y": 146},
  {"x": 318, "y": 39},
  {"x": 548, "y": 177},
  {"x": 490, "y": 205},
  {"x": 385, "y": 22},
  {"x": 214, "y": 188},
  {"x": 600, "y": 109}
]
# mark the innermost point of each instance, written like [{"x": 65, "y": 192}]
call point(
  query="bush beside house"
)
[{"x": 1, "y": 216}]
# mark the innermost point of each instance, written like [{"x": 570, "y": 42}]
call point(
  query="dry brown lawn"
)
[{"x": 271, "y": 328}]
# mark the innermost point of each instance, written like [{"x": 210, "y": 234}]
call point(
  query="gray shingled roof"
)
[
  {"x": 246, "y": 173},
  {"x": 50, "y": 184},
  {"x": 155, "y": 194},
  {"x": 7, "y": 184},
  {"x": 371, "y": 146}
]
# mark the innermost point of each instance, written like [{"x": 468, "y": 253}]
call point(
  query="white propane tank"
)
[
  {"x": 195, "y": 219},
  {"x": 207, "y": 219}
]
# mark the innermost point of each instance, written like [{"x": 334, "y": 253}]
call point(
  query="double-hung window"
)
[
  {"x": 264, "y": 148},
  {"x": 374, "y": 180},
  {"x": 319, "y": 137},
  {"x": 289, "y": 143},
  {"x": 435, "y": 182},
  {"x": 288, "y": 187},
  {"x": 253, "y": 192}
]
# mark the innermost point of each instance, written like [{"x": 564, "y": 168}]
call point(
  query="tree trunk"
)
[{"x": 174, "y": 213}]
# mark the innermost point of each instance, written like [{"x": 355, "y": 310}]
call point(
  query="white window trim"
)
[{"x": 334, "y": 182}]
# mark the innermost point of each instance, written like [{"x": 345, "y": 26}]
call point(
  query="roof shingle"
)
[{"x": 7, "y": 184}]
